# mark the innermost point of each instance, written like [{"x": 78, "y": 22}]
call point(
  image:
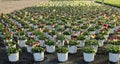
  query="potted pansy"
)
[
  {"x": 86, "y": 33},
  {"x": 41, "y": 39},
  {"x": 38, "y": 53},
  {"x": 81, "y": 40},
  {"x": 10, "y": 44},
  {"x": 84, "y": 27},
  {"x": 7, "y": 37},
  {"x": 21, "y": 41},
  {"x": 92, "y": 43},
  {"x": 29, "y": 43},
  {"x": 36, "y": 33},
  {"x": 100, "y": 38},
  {"x": 105, "y": 33},
  {"x": 46, "y": 30},
  {"x": 76, "y": 30},
  {"x": 41, "y": 27},
  {"x": 111, "y": 28},
  {"x": 97, "y": 27},
  {"x": 92, "y": 30},
  {"x": 67, "y": 26},
  {"x": 53, "y": 34},
  {"x": 13, "y": 54},
  {"x": 60, "y": 29},
  {"x": 88, "y": 54},
  {"x": 48, "y": 24},
  {"x": 117, "y": 32},
  {"x": 50, "y": 46},
  {"x": 60, "y": 40},
  {"x": 67, "y": 34},
  {"x": 29, "y": 31},
  {"x": 72, "y": 46},
  {"x": 21, "y": 33},
  {"x": 105, "y": 26},
  {"x": 62, "y": 54},
  {"x": 114, "y": 53},
  {"x": 26, "y": 26}
]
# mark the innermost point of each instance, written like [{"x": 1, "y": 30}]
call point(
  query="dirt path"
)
[{"x": 12, "y": 5}]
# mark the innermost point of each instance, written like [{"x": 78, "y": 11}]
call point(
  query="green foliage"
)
[
  {"x": 113, "y": 49},
  {"x": 99, "y": 37},
  {"x": 60, "y": 37},
  {"x": 41, "y": 37},
  {"x": 30, "y": 41},
  {"x": 10, "y": 43},
  {"x": 91, "y": 42},
  {"x": 88, "y": 50},
  {"x": 81, "y": 37},
  {"x": 67, "y": 33},
  {"x": 37, "y": 49},
  {"x": 50, "y": 42},
  {"x": 52, "y": 32},
  {"x": 12, "y": 50},
  {"x": 62, "y": 49},
  {"x": 73, "y": 43}
]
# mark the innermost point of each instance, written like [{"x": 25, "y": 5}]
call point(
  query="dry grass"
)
[{"x": 7, "y": 6}]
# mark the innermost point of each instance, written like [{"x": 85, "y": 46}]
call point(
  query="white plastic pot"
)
[
  {"x": 88, "y": 57},
  {"x": 29, "y": 49},
  {"x": 42, "y": 43},
  {"x": 101, "y": 43},
  {"x": 13, "y": 57},
  {"x": 106, "y": 36},
  {"x": 95, "y": 47},
  {"x": 111, "y": 31},
  {"x": 114, "y": 57},
  {"x": 92, "y": 32},
  {"x": 62, "y": 57},
  {"x": 22, "y": 43},
  {"x": 60, "y": 42},
  {"x": 68, "y": 37},
  {"x": 72, "y": 49},
  {"x": 38, "y": 56},
  {"x": 81, "y": 43},
  {"x": 50, "y": 48}
]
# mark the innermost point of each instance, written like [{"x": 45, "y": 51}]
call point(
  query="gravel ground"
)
[{"x": 7, "y": 6}]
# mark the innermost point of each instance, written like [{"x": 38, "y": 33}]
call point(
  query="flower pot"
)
[
  {"x": 28, "y": 34},
  {"x": 92, "y": 32},
  {"x": 60, "y": 42},
  {"x": 50, "y": 48},
  {"x": 101, "y": 43},
  {"x": 29, "y": 49},
  {"x": 114, "y": 57},
  {"x": 116, "y": 27},
  {"x": 68, "y": 37},
  {"x": 81, "y": 43},
  {"x": 42, "y": 43},
  {"x": 88, "y": 57},
  {"x": 38, "y": 56},
  {"x": 72, "y": 49},
  {"x": 106, "y": 37},
  {"x": 22, "y": 43},
  {"x": 62, "y": 57},
  {"x": 13, "y": 57},
  {"x": 35, "y": 26},
  {"x": 111, "y": 31},
  {"x": 95, "y": 47}
]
